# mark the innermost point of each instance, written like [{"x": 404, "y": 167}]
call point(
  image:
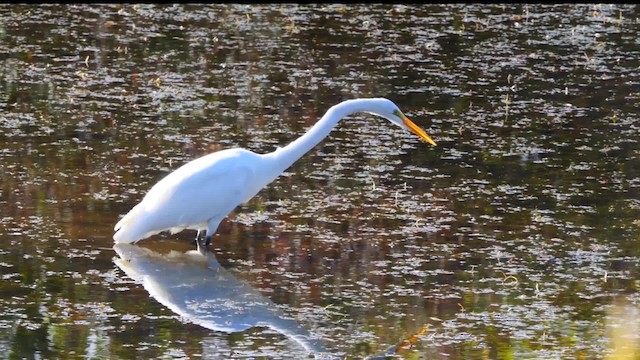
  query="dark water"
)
[{"x": 516, "y": 237}]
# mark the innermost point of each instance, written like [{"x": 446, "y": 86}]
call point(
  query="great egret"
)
[{"x": 202, "y": 192}]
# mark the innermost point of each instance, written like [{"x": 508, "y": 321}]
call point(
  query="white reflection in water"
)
[{"x": 196, "y": 287}]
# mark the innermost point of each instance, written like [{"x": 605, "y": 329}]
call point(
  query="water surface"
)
[{"x": 515, "y": 237}]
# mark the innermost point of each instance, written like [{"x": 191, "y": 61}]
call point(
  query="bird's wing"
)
[{"x": 194, "y": 195}]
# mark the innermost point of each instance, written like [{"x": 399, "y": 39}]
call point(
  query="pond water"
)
[{"x": 515, "y": 237}]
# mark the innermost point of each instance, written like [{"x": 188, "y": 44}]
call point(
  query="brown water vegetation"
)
[{"x": 516, "y": 237}]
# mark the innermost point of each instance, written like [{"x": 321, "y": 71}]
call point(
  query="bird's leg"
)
[
  {"x": 201, "y": 235},
  {"x": 198, "y": 236},
  {"x": 199, "y": 247},
  {"x": 199, "y": 241}
]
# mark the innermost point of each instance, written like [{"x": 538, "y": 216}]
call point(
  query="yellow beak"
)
[{"x": 417, "y": 130}]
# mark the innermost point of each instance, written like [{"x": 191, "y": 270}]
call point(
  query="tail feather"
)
[{"x": 132, "y": 227}]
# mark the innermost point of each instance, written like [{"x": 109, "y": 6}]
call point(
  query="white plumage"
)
[{"x": 199, "y": 194}]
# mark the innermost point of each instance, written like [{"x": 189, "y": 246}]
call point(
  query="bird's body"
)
[
  {"x": 202, "y": 192},
  {"x": 196, "y": 196}
]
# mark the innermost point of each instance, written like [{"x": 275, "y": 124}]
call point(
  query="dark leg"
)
[
  {"x": 208, "y": 241},
  {"x": 199, "y": 239},
  {"x": 198, "y": 236}
]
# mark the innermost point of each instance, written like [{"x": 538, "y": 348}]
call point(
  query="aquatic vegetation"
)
[{"x": 517, "y": 237}]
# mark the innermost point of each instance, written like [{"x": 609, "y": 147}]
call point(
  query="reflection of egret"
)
[
  {"x": 202, "y": 192},
  {"x": 195, "y": 286}
]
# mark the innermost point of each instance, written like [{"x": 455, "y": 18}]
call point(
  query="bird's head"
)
[{"x": 390, "y": 111}]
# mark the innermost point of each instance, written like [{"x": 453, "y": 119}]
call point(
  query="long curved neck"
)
[{"x": 284, "y": 157}]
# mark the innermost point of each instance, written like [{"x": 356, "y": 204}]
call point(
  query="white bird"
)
[{"x": 202, "y": 192}]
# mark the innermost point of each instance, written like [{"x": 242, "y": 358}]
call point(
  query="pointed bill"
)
[{"x": 417, "y": 130}]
